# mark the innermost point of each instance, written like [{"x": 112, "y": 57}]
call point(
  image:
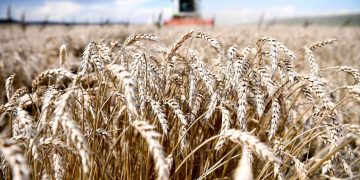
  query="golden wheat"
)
[{"x": 293, "y": 115}]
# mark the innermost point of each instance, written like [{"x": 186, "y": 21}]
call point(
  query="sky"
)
[{"x": 145, "y": 11}]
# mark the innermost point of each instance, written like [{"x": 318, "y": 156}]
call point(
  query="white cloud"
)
[
  {"x": 138, "y": 11},
  {"x": 236, "y": 15},
  {"x": 131, "y": 3},
  {"x": 117, "y": 10},
  {"x": 244, "y": 15},
  {"x": 57, "y": 10}
]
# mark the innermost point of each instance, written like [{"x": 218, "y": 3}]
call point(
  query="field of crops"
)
[{"x": 137, "y": 102}]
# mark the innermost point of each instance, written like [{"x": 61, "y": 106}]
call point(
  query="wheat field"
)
[{"x": 137, "y": 102}]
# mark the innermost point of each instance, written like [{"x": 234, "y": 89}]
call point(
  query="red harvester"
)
[{"x": 186, "y": 12}]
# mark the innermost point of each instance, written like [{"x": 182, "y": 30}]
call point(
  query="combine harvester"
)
[{"x": 186, "y": 12}]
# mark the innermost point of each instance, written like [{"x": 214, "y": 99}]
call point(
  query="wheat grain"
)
[
  {"x": 85, "y": 59},
  {"x": 192, "y": 88},
  {"x": 197, "y": 105},
  {"x": 169, "y": 161},
  {"x": 242, "y": 91},
  {"x": 275, "y": 116},
  {"x": 289, "y": 69},
  {"x": 266, "y": 81},
  {"x": 317, "y": 87},
  {"x": 105, "y": 53},
  {"x": 158, "y": 111},
  {"x": 173, "y": 103},
  {"x": 225, "y": 125},
  {"x": 259, "y": 100},
  {"x": 274, "y": 55},
  {"x": 212, "y": 104},
  {"x": 311, "y": 58},
  {"x": 199, "y": 67},
  {"x": 58, "y": 163},
  {"x": 95, "y": 58}
]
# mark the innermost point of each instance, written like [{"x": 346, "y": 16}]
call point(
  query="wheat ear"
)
[
  {"x": 178, "y": 44},
  {"x": 242, "y": 90},
  {"x": 275, "y": 116},
  {"x": 351, "y": 70},
  {"x": 260, "y": 149},
  {"x": 174, "y": 104},
  {"x": 158, "y": 111},
  {"x": 129, "y": 85},
  {"x": 62, "y": 55},
  {"x": 225, "y": 125},
  {"x": 311, "y": 58},
  {"x": 322, "y": 43},
  {"x": 9, "y": 86},
  {"x": 13, "y": 156},
  {"x": 140, "y": 36},
  {"x": 58, "y": 163},
  {"x": 148, "y": 132}
]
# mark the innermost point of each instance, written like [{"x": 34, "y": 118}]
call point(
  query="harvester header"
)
[{"x": 187, "y": 12}]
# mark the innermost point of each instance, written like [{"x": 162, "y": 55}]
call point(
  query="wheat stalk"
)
[{"x": 243, "y": 170}]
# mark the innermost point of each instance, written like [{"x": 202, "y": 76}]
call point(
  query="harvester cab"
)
[{"x": 187, "y": 12}]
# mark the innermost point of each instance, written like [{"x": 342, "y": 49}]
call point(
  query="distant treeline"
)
[
  {"x": 11, "y": 21},
  {"x": 337, "y": 20}
]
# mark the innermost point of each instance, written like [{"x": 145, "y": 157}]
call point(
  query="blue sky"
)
[{"x": 144, "y": 11}]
